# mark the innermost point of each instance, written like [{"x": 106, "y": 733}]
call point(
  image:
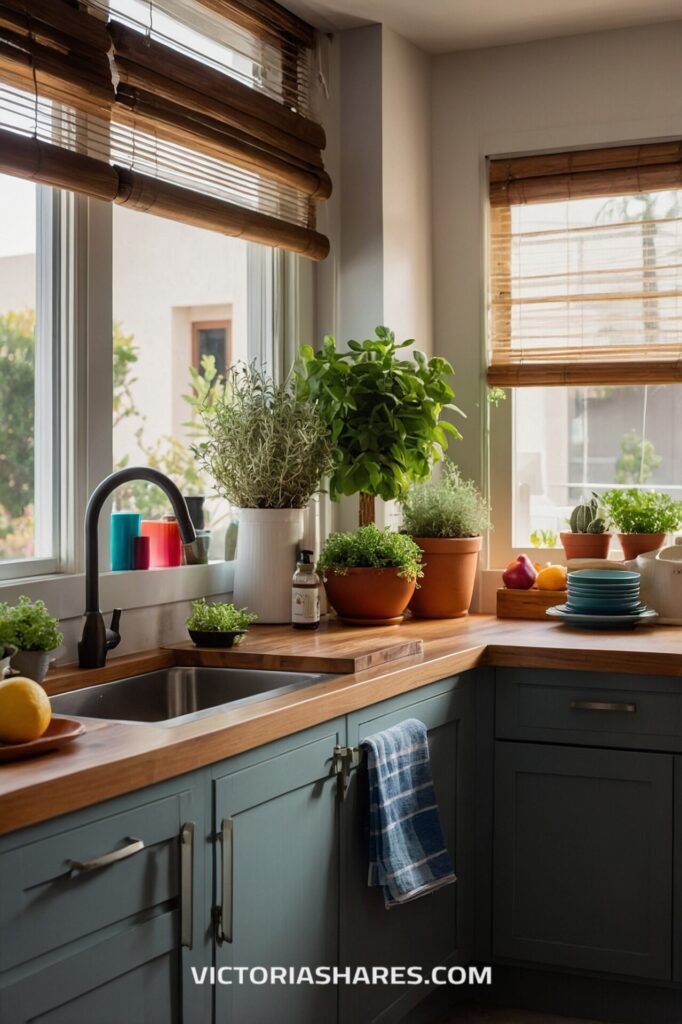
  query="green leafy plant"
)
[
  {"x": 587, "y": 517},
  {"x": 219, "y": 617},
  {"x": 368, "y": 547},
  {"x": 383, "y": 411},
  {"x": 450, "y": 507},
  {"x": 544, "y": 539},
  {"x": 29, "y": 626},
  {"x": 266, "y": 447},
  {"x": 637, "y": 461},
  {"x": 635, "y": 511}
]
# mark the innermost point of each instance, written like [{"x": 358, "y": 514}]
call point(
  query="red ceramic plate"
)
[{"x": 59, "y": 732}]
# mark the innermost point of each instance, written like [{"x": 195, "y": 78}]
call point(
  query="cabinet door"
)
[
  {"x": 99, "y": 909},
  {"x": 131, "y": 976},
  {"x": 435, "y": 929},
  {"x": 277, "y": 880},
  {"x": 583, "y": 858}
]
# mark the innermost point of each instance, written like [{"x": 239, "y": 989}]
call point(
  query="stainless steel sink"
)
[{"x": 175, "y": 695}]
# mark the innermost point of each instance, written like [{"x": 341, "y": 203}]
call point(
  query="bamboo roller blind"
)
[
  {"x": 196, "y": 110},
  {"x": 586, "y": 267}
]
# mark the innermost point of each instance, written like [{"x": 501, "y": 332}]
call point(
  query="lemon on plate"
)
[{"x": 25, "y": 710}]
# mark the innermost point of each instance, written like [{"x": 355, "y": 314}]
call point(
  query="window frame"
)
[{"x": 83, "y": 441}]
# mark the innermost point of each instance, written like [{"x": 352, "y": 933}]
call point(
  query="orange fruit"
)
[
  {"x": 553, "y": 577},
  {"x": 25, "y": 710}
]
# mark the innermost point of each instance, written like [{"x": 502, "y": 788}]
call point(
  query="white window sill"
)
[{"x": 65, "y": 595}]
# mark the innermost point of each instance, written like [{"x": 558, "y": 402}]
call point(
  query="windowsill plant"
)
[
  {"x": 587, "y": 537},
  {"x": 29, "y": 627},
  {"x": 267, "y": 450},
  {"x": 384, "y": 412},
  {"x": 370, "y": 574},
  {"x": 446, "y": 518},
  {"x": 218, "y": 624},
  {"x": 642, "y": 518}
]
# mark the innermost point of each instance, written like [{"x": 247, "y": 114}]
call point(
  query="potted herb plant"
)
[
  {"x": 642, "y": 518},
  {"x": 370, "y": 575},
  {"x": 446, "y": 519},
  {"x": 218, "y": 624},
  {"x": 267, "y": 449},
  {"x": 29, "y": 627},
  {"x": 587, "y": 537},
  {"x": 384, "y": 412}
]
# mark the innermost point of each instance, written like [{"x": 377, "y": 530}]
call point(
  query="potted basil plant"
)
[
  {"x": 370, "y": 575},
  {"x": 384, "y": 412},
  {"x": 29, "y": 627},
  {"x": 219, "y": 624}
]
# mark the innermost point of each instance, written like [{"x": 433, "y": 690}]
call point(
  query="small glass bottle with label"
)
[{"x": 305, "y": 594}]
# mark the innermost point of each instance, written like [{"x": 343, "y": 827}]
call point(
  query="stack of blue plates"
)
[{"x": 602, "y": 598}]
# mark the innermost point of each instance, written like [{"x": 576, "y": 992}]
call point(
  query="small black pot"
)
[{"x": 214, "y": 637}]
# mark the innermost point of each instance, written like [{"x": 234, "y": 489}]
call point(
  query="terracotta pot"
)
[
  {"x": 634, "y": 544},
  {"x": 586, "y": 545},
  {"x": 369, "y": 597},
  {"x": 446, "y": 588}
]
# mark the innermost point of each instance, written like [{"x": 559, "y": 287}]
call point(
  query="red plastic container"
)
[{"x": 165, "y": 545}]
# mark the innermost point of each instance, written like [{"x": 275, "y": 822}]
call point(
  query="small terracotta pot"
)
[
  {"x": 446, "y": 588},
  {"x": 369, "y": 597},
  {"x": 634, "y": 544},
  {"x": 586, "y": 545}
]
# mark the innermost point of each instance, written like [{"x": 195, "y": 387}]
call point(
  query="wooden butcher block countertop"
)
[{"x": 373, "y": 664}]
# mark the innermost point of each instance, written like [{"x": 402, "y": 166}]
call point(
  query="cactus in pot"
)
[
  {"x": 587, "y": 537},
  {"x": 585, "y": 517}
]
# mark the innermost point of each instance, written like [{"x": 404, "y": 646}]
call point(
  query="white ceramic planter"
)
[{"x": 268, "y": 542}]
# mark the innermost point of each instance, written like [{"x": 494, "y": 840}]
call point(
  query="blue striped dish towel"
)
[{"x": 407, "y": 853}]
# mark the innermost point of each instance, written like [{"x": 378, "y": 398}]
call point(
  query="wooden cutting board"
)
[{"x": 323, "y": 650}]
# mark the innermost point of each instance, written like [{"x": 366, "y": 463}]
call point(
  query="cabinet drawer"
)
[
  {"x": 51, "y": 892},
  {"x": 589, "y": 708}
]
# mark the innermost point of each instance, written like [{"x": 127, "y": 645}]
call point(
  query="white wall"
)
[
  {"x": 602, "y": 88},
  {"x": 406, "y": 161}
]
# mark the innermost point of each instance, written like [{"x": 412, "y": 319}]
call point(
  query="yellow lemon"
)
[
  {"x": 25, "y": 710},
  {"x": 553, "y": 577}
]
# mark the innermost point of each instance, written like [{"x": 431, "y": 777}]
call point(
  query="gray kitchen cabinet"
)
[
  {"x": 583, "y": 848},
  {"x": 277, "y": 877},
  {"x": 435, "y": 929},
  {"x": 97, "y": 913}
]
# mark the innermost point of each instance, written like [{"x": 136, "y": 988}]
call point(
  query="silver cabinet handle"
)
[
  {"x": 186, "y": 884},
  {"x": 225, "y": 924},
  {"x": 597, "y": 705},
  {"x": 82, "y": 866}
]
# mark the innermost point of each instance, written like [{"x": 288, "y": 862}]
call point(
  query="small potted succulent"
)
[
  {"x": 219, "y": 624},
  {"x": 446, "y": 519},
  {"x": 29, "y": 627},
  {"x": 588, "y": 537},
  {"x": 370, "y": 575},
  {"x": 642, "y": 518}
]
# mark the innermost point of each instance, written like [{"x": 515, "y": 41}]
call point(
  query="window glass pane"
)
[
  {"x": 569, "y": 442},
  {"x": 180, "y": 317},
  {"x": 18, "y": 203}
]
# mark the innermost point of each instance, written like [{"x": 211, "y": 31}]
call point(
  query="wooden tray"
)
[
  {"x": 527, "y": 604},
  {"x": 326, "y": 650},
  {"x": 59, "y": 732}
]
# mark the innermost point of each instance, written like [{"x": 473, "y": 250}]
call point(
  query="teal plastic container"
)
[{"x": 125, "y": 526}]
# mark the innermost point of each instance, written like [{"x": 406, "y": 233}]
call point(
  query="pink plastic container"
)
[{"x": 165, "y": 545}]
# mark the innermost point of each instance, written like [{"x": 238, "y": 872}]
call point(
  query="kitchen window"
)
[
  {"x": 29, "y": 378},
  {"x": 585, "y": 334},
  {"x": 153, "y": 160}
]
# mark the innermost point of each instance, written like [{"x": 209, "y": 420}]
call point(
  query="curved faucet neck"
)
[{"x": 95, "y": 505}]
